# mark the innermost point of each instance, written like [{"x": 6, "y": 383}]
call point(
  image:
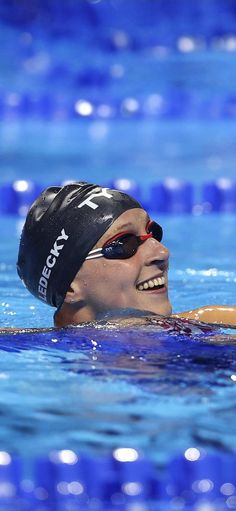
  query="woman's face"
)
[{"x": 128, "y": 283}]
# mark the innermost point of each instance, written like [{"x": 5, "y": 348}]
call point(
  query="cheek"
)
[
  {"x": 123, "y": 274},
  {"x": 96, "y": 281},
  {"x": 108, "y": 276}
]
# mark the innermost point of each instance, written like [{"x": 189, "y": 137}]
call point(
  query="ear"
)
[{"x": 75, "y": 292}]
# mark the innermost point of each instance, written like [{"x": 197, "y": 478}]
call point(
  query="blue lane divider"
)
[
  {"x": 220, "y": 196},
  {"x": 171, "y": 105},
  {"x": 64, "y": 480},
  {"x": 171, "y": 196},
  {"x": 16, "y": 197}
]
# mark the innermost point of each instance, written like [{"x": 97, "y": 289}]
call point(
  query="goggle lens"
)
[
  {"x": 122, "y": 248},
  {"x": 126, "y": 245},
  {"x": 155, "y": 229}
]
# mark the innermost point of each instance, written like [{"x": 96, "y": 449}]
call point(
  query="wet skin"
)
[{"x": 104, "y": 284}]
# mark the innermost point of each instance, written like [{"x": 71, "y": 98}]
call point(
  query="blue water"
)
[
  {"x": 136, "y": 388},
  {"x": 96, "y": 389},
  {"x": 101, "y": 150},
  {"x": 139, "y": 387}
]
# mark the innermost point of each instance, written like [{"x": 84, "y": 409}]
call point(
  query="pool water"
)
[
  {"x": 98, "y": 149},
  {"x": 140, "y": 388},
  {"x": 95, "y": 389},
  {"x": 157, "y": 107}
]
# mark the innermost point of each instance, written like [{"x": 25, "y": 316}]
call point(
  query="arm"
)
[{"x": 218, "y": 314}]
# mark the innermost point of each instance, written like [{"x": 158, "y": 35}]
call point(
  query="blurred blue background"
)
[
  {"x": 107, "y": 89},
  {"x": 139, "y": 91}
]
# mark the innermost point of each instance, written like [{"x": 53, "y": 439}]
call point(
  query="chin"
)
[{"x": 164, "y": 310}]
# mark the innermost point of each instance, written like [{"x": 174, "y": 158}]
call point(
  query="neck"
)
[{"x": 73, "y": 314}]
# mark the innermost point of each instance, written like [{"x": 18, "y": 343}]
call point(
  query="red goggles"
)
[{"x": 125, "y": 244}]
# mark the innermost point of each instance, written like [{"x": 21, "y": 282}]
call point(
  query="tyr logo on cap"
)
[{"x": 88, "y": 202}]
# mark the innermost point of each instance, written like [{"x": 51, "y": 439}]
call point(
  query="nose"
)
[{"x": 154, "y": 250}]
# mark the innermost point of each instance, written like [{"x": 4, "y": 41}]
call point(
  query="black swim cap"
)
[{"x": 61, "y": 227}]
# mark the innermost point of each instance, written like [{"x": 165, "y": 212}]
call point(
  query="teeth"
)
[{"x": 150, "y": 284}]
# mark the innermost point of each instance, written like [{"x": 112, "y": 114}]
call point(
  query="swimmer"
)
[{"x": 90, "y": 251}]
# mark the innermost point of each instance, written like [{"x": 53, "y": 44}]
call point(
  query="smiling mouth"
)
[{"x": 152, "y": 284}]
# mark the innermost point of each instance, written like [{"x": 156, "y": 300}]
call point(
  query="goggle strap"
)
[
  {"x": 93, "y": 254},
  {"x": 145, "y": 237}
]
